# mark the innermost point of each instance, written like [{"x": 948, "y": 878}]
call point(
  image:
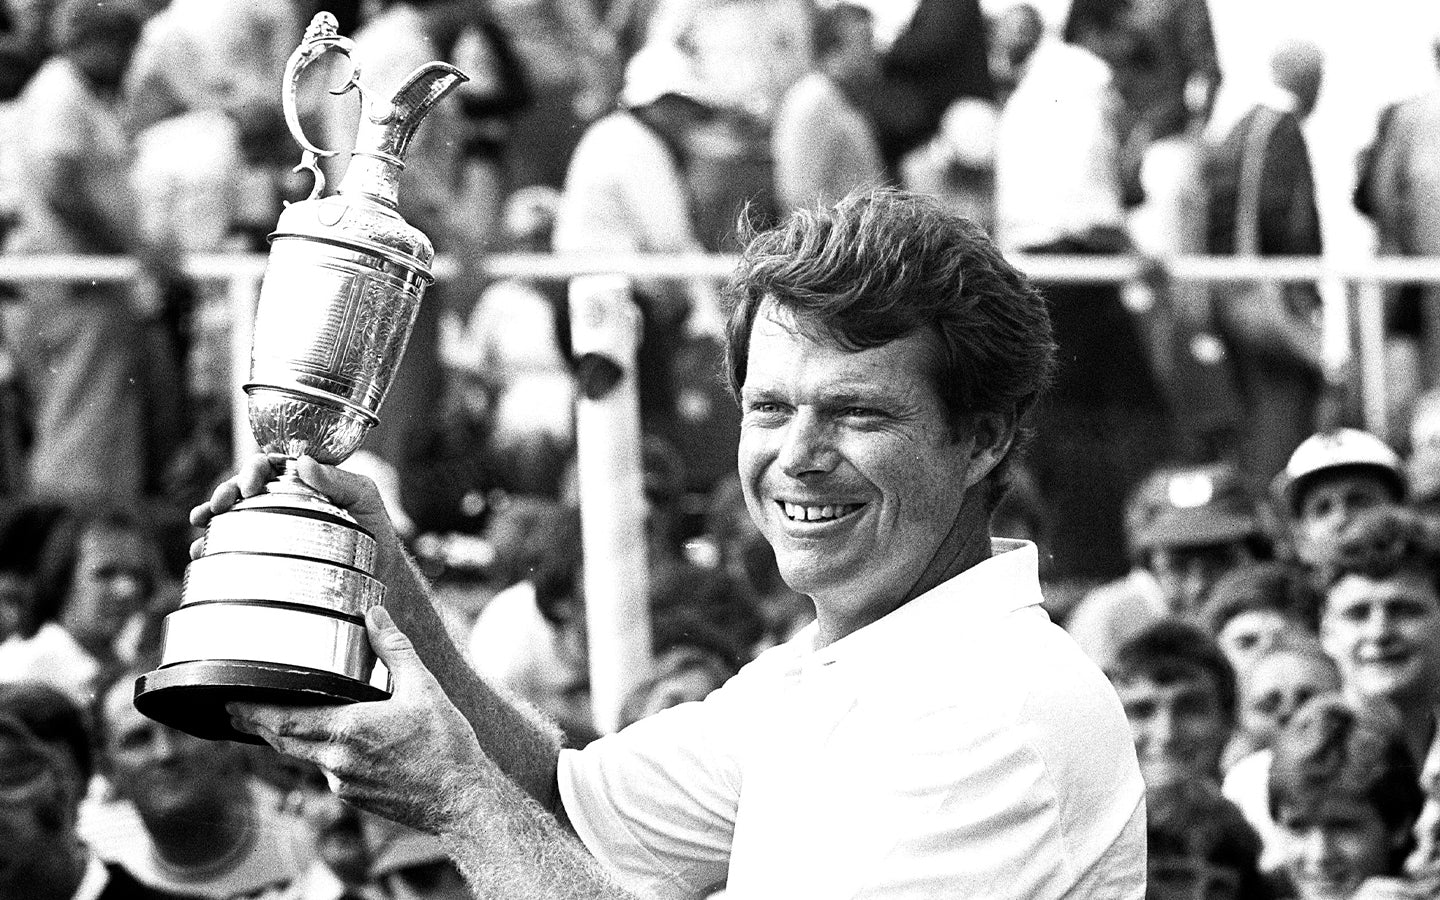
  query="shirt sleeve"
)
[{"x": 656, "y": 802}]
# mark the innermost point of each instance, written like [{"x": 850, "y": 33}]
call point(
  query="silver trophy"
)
[{"x": 273, "y": 610}]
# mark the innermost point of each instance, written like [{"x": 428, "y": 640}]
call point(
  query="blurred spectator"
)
[
  {"x": 183, "y": 813},
  {"x": 99, "y": 576},
  {"x": 506, "y": 368},
  {"x": 1262, "y": 203},
  {"x": 572, "y": 66},
  {"x": 45, "y": 765},
  {"x": 1255, "y": 607},
  {"x": 25, "y": 522},
  {"x": 1198, "y": 845},
  {"x": 1399, "y": 189},
  {"x": 1057, "y": 190},
  {"x": 1161, "y": 52},
  {"x": 1187, "y": 526},
  {"x": 1344, "y": 792},
  {"x": 530, "y": 637},
  {"x": 1331, "y": 478},
  {"x": 1381, "y": 617},
  {"x": 824, "y": 146},
  {"x": 957, "y": 165},
  {"x": 82, "y": 348},
  {"x": 1281, "y": 681},
  {"x": 1178, "y": 691},
  {"x": 626, "y": 192},
  {"x": 935, "y": 53}
]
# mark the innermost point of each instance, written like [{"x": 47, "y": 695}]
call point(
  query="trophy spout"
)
[{"x": 385, "y": 132}]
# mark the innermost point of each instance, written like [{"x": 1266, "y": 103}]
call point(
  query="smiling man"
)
[{"x": 932, "y": 734}]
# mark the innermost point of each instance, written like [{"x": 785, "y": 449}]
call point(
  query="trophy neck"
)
[{"x": 375, "y": 175}]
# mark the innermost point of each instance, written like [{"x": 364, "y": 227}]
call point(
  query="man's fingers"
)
[
  {"x": 395, "y": 649},
  {"x": 348, "y": 489},
  {"x": 302, "y": 723}
]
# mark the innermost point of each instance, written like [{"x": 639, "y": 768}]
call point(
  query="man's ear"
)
[{"x": 990, "y": 435}]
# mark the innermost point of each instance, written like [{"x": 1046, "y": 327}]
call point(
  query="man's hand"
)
[
  {"x": 350, "y": 491},
  {"x": 412, "y": 758}
]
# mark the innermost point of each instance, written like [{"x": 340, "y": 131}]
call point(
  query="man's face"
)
[
  {"x": 1278, "y": 685},
  {"x": 849, "y": 467},
  {"x": 1250, "y": 634},
  {"x": 1385, "y": 635},
  {"x": 1178, "y": 726},
  {"x": 1328, "y": 853},
  {"x": 1186, "y": 574},
  {"x": 37, "y": 821},
  {"x": 1330, "y": 503},
  {"x": 164, "y": 772},
  {"x": 109, "y": 585}
]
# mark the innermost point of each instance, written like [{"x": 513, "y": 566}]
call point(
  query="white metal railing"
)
[{"x": 1361, "y": 329}]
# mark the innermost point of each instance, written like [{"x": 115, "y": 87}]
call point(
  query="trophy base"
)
[{"x": 191, "y": 696}]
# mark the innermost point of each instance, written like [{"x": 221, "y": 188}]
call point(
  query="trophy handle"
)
[{"x": 322, "y": 35}]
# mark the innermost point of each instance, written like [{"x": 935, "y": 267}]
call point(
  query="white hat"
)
[{"x": 1340, "y": 448}]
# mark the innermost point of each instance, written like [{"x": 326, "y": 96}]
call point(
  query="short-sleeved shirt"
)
[{"x": 961, "y": 746}]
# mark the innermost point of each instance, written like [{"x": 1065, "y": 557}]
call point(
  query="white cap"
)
[{"x": 1340, "y": 448}]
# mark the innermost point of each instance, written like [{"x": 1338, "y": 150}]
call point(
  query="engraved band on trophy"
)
[{"x": 273, "y": 609}]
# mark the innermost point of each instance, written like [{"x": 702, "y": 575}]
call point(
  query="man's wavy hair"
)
[
  {"x": 1384, "y": 541},
  {"x": 881, "y": 265}
]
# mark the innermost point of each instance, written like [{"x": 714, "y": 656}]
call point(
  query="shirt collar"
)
[
  {"x": 1279, "y": 99},
  {"x": 1007, "y": 581}
]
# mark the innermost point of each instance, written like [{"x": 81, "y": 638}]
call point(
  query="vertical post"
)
[
  {"x": 244, "y": 296},
  {"x": 1370, "y": 328},
  {"x": 605, "y": 325}
]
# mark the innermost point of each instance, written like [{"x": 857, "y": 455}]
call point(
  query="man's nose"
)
[{"x": 808, "y": 445}]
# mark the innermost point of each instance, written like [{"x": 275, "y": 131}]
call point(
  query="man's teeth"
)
[{"x": 818, "y": 513}]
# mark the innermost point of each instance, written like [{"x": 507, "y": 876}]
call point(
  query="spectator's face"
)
[
  {"x": 37, "y": 821},
  {"x": 1385, "y": 635},
  {"x": 1250, "y": 634},
  {"x": 339, "y": 836},
  {"x": 1186, "y": 574},
  {"x": 109, "y": 585},
  {"x": 849, "y": 467},
  {"x": 1178, "y": 726},
  {"x": 1276, "y": 686},
  {"x": 1189, "y": 878},
  {"x": 749, "y": 53},
  {"x": 1330, "y": 503},
  {"x": 1330, "y": 852},
  {"x": 164, "y": 772}
]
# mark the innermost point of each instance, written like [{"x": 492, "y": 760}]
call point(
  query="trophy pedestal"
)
[
  {"x": 272, "y": 611},
  {"x": 191, "y": 696}
]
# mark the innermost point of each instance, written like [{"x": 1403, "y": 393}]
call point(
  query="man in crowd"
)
[
  {"x": 186, "y": 814},
  {"x": 45, "y": 765},
  {"x": 1330, "y": 479},
  {"x": 1178, "y": 691},
  {"x": 931, "y": 734},
  {"x": 1344, "y": 794},
  {"x": 1186, "y": 526}
]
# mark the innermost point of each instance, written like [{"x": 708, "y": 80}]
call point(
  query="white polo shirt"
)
[{"x": 961, "y": 746}]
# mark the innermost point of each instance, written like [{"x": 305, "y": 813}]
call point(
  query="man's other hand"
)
[{"x": 412, "y": 759}]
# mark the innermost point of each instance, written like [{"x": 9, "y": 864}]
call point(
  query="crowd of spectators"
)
[{"x": 1259, "y": 579}]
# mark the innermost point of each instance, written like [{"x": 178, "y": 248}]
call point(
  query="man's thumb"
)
[{"x": 391, "y": 644}]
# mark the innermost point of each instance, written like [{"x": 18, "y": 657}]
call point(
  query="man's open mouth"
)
[{"x": 797, "y": 512}]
